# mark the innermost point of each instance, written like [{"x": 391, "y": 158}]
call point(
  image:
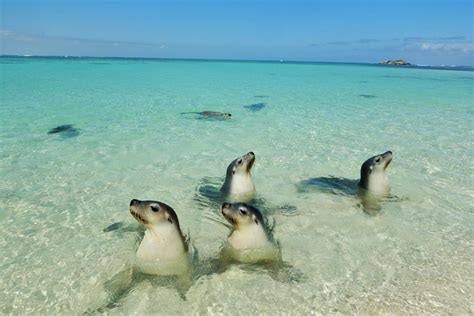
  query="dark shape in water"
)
[
  {"x": 367, "y": 96},
  {"x": 335, "y": 185},
  {"x": 261, "y": 96},
  {"x": 124, "y": 282},
  {"x": 61, "y": 128},
  {"x": 209, "y": 196},
  {"x": 66, "y": 131},
  {"x": 121, "y": 227},
  {"x": 255, "y": 107},
  {"x": 347, "y": 187},
  {"x": 114, "y": 226},
  {"x": 211, "y": 114}
]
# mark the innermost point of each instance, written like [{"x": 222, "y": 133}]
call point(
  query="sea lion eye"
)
[
  {"x": 243, "y": 212},
  {"x": 154, "y": 208},
  {"x": 240, "y": 161},
  {"x": 377, "y": 159}
]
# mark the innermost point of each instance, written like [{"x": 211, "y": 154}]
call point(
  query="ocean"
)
[{"x": 60, "y": 192}]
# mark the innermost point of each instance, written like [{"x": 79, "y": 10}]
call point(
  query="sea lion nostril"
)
[
  {"x": 225, "y": 205},
  {"x": 133, "y": 202},
  {"x": 251, "y": 153}
]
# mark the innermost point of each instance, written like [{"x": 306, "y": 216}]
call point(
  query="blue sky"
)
[{"x": 420, "y": 31}]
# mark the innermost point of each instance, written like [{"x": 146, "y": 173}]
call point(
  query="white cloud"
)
[
  {"x": 23, "y": 37},
  {"x": 460, "y": 47},
  {"x": 10, "y": 35}
]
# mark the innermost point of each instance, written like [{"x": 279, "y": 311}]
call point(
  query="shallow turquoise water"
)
[{"x": 57, "y": 194}]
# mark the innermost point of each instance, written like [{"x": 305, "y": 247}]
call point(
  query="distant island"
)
[{"x": 395, "y": 62}]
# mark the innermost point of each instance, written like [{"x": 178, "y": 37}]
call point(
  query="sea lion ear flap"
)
[
  {"x": 255, "y": 219},
  {"x": 168, "y": 217}
]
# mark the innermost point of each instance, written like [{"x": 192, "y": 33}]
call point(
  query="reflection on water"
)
[
  {"x": 209, "y": 197},
  {"x": 331, "y": 184},
  {"x": 370, "y": 204}
]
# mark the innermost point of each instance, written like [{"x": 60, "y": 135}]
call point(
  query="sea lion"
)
[
  {"x": 164, "y": 256},
  {"x": 211, "y": 114},
  {"x": 164, "y": 250},
  {"x": 372, "y": 174},
  {"x": 372, "y": 188},
  {"x": 238, "y": 185},
  {"x": 250, "y": 240},
  {"x": 62, "y": 128}
]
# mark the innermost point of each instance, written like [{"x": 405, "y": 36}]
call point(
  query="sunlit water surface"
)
[{"x": 59, "y": 191}]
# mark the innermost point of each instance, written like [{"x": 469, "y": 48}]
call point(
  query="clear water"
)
[{"x": 58, "y": 193}]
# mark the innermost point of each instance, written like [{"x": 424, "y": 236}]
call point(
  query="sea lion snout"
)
[
  {"x": 387, "y": 156},
  {"x": 225, "y": 205},
  {"x": 134, "y": 202}
]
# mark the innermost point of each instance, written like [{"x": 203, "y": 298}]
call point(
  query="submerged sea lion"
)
[
  {"x": 163, "y": 250},
  {"x": 62, "y": 128},
  {"x": 238, "y": 185},
  {"x": 255, "y": 107},
  {"x": 250, "y": 241},
  {"x": 211, "y": 114}
]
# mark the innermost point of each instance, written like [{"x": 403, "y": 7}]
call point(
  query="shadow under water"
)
[
  {"x": 278, "y": 270},
  {"x": 66, "y": 131},
  {"x": 255, "y": 107},
  {"x": 121, "y": 227},
  {"x": 209, "y": 196},
  {"x": 369, "y": 203},
  {"x": 126, "y": 281},
  {"x": 212, "y": 118},
  {"x": 208, "y": 115},
  {"x": 331, "y": 184}
]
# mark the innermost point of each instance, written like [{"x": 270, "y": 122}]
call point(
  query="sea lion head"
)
[
  {"x": 151, "y": 213},
  {"x": 242, "y": 215},
  {"x": 241, "y": 165}
]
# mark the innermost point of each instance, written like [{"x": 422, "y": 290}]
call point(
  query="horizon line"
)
[{"x": 282, "y": 61}]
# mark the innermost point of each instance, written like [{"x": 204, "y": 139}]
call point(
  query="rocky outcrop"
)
[{"x": 396, "y": 62}]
